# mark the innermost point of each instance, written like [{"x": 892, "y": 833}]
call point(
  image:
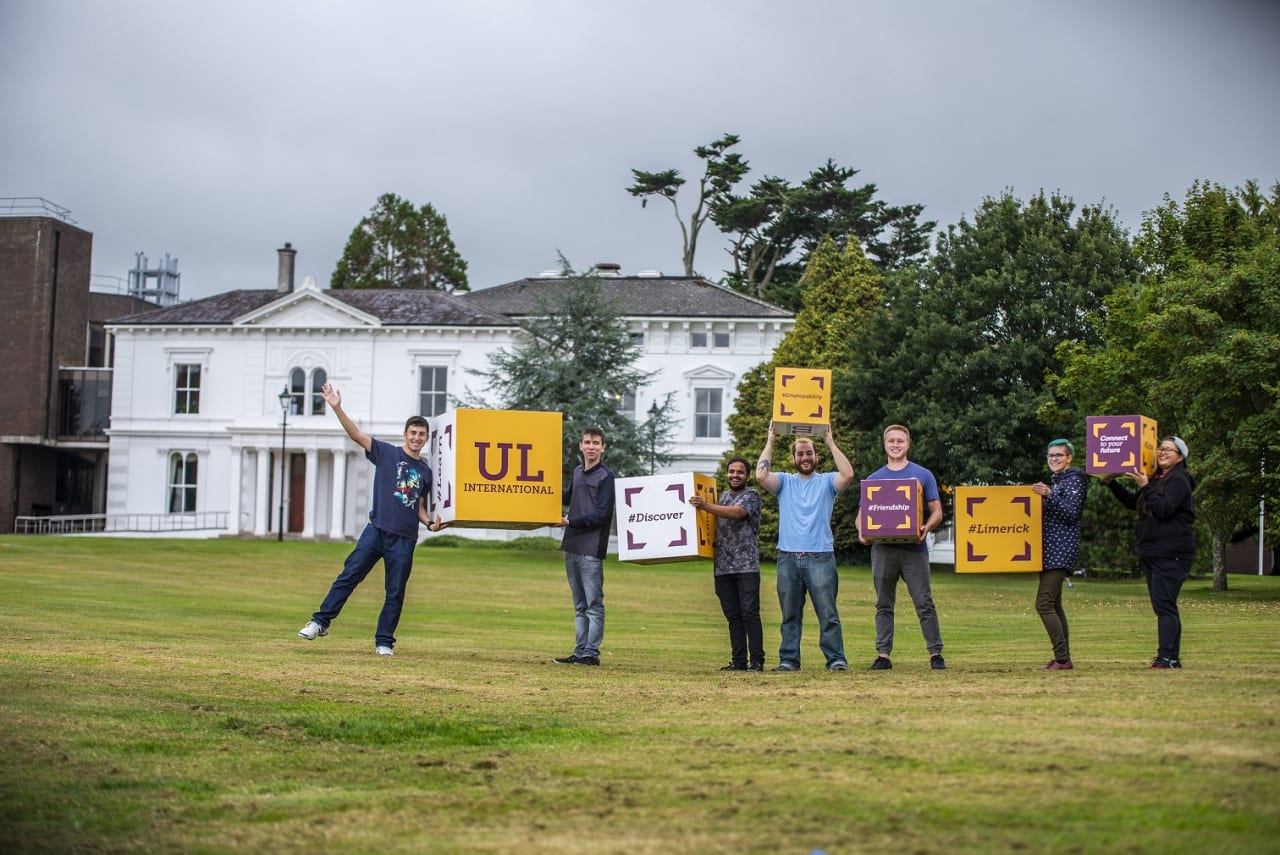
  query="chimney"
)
[
  {"x": 284, "y": 278},
  {"x": 608, "y": 268}
]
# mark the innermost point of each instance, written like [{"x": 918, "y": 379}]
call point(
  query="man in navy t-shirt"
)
[{"x": 401, "y": 482}]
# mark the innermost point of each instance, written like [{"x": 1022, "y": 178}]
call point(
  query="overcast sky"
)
[{"x": 217, "y": 131}]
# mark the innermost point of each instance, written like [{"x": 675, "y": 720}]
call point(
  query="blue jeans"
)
[
  {"x": 813, "y": 573},
  {"x": 396, "y": 553},
  {"x": 586, "y": 581},
  {"x": 888, "y": 565}
]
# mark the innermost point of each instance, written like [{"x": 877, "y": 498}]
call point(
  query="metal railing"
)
[{"x": 104, "y": 523}]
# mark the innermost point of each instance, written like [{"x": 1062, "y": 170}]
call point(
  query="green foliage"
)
[
  {"x": 399, "y": 246},
  {"x": 841, "y": 291},
  {"x": 1195, "y": 344},
  {"x": 575, "y": 357},
  {"x": 960, "y": 349}
]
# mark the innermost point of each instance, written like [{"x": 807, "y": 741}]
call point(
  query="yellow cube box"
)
[
  {"x": 801, "y": 401},
  {"x": 496, "y": 468},
  {"x": 656, "y": 523},
  {"x": 1115, "y": 445},
  {"x": 998, "y": 530}
]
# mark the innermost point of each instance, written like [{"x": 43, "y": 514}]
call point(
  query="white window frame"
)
[{"x": 186, "y": 480}]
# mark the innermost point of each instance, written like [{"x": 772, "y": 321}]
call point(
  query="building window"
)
[
  {"x": 297, "y": 391},
  {"x": 182, "y": 483},
  {"x": 702, "y": 338},
  {"x": 708, "y": 413},
  {"x": 626, "y": 402},
  {"x": 186, "y": 399},
  {"x": 637, "y": 340},
  {"x": 433, "y": 390},
  {"x": 318, "y": 379}
]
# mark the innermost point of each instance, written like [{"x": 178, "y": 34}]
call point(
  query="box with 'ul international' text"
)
[
  {"x": 656, "y": 523},
  {"x": 496, "y": 468},
  {"x": 801, "y": 401}
]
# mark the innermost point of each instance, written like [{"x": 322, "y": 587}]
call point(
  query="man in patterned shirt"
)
[{"x": 737, "y": 565}]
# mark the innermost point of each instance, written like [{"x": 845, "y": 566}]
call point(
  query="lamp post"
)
[
  {"x": 653, "y": 435},
  {"x": 284, "y": 397}
]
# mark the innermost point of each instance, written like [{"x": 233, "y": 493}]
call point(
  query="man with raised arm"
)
[
  {"x": 401, "y": 482},
  {"x": 806, "y": 546}
]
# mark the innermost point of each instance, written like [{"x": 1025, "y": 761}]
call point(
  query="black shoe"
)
[
  {"x": 882, "y": 663},
  {"x": 1162, "y": 664},
  {"x": 756, "y": 666},
  {"x": 571, "y": 659},
  {"x": 787, "y": 666},
  {"x": 937, "y": 663},
  {"x": 586, "y": 660},
  {"x": 734, "y": 667}
]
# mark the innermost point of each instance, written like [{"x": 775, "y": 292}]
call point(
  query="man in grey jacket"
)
[{"x": 589, "y": 499}]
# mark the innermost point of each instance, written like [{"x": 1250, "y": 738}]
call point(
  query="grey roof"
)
[
  {"x": 636, "y": 296},
  {"x": 394, "y": 307}
]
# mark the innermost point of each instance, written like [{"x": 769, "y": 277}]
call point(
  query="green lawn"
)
[{"x": 155, "y": 698}]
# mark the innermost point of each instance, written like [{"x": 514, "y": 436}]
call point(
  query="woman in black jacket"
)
[
  {"x": 1062, "y": 506},
  {"x": 1166, "y": 543}
]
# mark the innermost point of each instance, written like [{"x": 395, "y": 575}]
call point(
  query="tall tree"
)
[
  {"x": 841, "y": 292},
  {"x": 775, "y": 228},
  {"x": 1195, "y": 344},
  {"x": 399, "y": 246},
  {"x": 960, "y": 350},
  {"x": 723, "y": 169},
  {"x": 575, "y": 356}
]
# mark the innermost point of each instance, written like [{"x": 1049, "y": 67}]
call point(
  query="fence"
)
[{"x": 103, "y": 523}]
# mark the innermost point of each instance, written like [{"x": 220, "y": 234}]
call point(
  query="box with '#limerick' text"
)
[
  {"x": 998, "y": 530},
  {"x": 1115, "y": 445},
  {"x": 801, "y": 401},
  {"x": 656, "y": 523},
  {"x": 891, "y": 510},
  {"x": 496, "y": 468}
]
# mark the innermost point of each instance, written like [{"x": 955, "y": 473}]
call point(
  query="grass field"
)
[{"x": 155, "y": 698}]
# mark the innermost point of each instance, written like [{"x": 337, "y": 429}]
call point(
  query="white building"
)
[{"x": 196, "y": 418}]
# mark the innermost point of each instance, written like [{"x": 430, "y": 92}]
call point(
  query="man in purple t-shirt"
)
[{"x": 401, "y": 482}]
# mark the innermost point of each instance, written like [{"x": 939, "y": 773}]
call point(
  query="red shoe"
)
[
  {"x": 1160, "y": 664},
  {"x": 1055, "y": 665}
]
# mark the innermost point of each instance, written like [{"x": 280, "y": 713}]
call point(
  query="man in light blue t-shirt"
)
[
  {"x": 906, "y": 561},
  {"x": 806, "y": 546}
]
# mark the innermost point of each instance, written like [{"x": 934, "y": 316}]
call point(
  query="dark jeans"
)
[
  {"x": 739, "y": 595},
  {"x": 1164, "y": 582},
  {"x": 1049, "y": 607},
  {"x": 888, "y": 565},
  {"x": 397, "y": 558}
]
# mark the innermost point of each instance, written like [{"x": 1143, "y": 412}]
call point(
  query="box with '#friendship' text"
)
[{"x": 891, "y": 510}]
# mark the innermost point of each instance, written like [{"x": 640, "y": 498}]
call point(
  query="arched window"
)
[
  {"x": 182, "y": 483},
  {"x": 297, "y": 391},
  {"x": 318, "y": 379}
]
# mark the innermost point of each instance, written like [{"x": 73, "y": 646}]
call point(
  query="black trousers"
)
[
  {"x": 1164, "y": 582},
  {"x": 739, "y": 595}
]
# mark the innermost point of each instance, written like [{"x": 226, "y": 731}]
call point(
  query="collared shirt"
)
[{"x": 737, "y": 545}]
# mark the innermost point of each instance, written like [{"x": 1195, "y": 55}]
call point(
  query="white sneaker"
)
[
  {"x": 383, "y": 650},
  {"x": 313, "y": 630}
]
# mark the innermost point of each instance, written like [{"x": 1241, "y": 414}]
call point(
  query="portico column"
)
[
  {"x": 233, "y": 496},
  {"x": 338, "y": 513},
  {"x": 261, "y": 494},
  {"x": 309, "y": 495}
]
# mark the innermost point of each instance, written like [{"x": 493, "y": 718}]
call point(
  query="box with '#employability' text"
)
[
  {"x": 1115, "y": 445},
  {"x": 891, "y": 510},
  {"x": 496, "y": 468},
  {"x": 998, "y": 530},
  {"x": 801, "y": 401},
  {"x": 656, "y": 523}
]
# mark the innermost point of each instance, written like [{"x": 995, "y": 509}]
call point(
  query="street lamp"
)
[
  {"x": 284, "y": 397},
  {"x": 654, "y": 412}
]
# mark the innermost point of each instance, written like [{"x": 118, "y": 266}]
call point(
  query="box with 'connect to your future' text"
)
[
  {"x": 496, "y": 468},
  {"x": 1115, "y": 445},
  {"x": 801, "y": 401},
  {"x": 656, "y": 523}
]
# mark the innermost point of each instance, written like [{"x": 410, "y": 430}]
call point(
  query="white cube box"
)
[{"x": 656, "y": 523}]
